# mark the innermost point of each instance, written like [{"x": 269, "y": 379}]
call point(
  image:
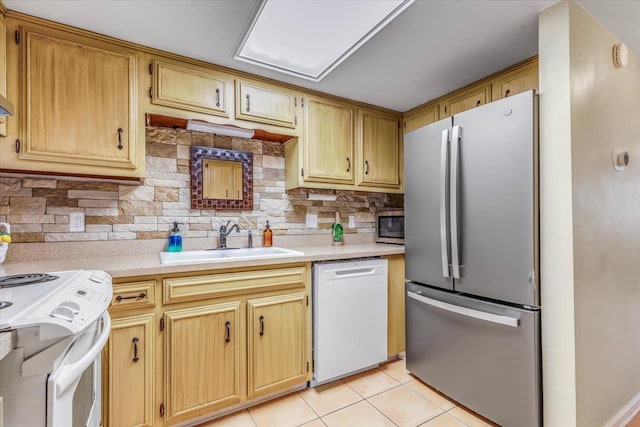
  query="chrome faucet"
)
[{"x": 224, "y": 233}]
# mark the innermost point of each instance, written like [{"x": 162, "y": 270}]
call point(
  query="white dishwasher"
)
[{"x": 349, "y": 317}]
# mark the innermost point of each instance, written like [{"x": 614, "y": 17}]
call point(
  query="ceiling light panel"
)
[{"x": 309, "y": 38}]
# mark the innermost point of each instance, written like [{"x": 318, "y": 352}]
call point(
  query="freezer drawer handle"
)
[{"x": 481, "y": 315}]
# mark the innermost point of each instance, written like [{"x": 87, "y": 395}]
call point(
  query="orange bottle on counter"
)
[{"x": 268, "y": 236}]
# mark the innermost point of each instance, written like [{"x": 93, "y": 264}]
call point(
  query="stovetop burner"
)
[
  {"x": 24, "y": 279},
  {"x": 5, "y": 304}
]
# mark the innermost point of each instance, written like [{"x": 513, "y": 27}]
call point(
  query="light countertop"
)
[{"x": 149, "y": 264}]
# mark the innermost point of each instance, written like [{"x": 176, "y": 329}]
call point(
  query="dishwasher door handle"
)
[
  {"x": 354, "y": 272},
  {"x": 469, "y": 312}
]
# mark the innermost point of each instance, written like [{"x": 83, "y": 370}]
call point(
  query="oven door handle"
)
[{"x": 72, "y": 373}]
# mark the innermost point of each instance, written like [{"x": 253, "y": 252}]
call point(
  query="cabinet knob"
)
[
  {"x": 478, "y": 103},
  {"x": 507, "y": 92}
]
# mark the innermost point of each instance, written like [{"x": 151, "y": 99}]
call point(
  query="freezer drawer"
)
[{"x": 485, "y": 356}]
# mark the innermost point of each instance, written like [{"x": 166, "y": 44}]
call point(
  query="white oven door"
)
[{"x": 73, "y": 388}]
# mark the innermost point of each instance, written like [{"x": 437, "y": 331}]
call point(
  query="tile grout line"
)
[
  {"x": 310, "y": 407},
  {"x": 383, "y": 414}
]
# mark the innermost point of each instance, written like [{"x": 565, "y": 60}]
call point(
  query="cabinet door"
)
[
  {"x": 379, "y": 152},
  {"x": 129, "y": 366},
  {"x": 329, "y": 141},
  {"x": 79, "y": 100},
  {"x": 466, "y": 100},
  {"x": 421, "y": 118},
  {"x": 3, "y": 70},
  {"x": 189, "y": 88},
  {"x": 265, "y": 103},
  {"x": 218, "y": 179},
  {"x": 276, "y": 342},
  {"x": 522, "y": 79},
  {"x": 202, "y": 359}
]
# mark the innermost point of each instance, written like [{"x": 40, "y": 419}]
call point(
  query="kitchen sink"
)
[{"x": 221, "y": 255}]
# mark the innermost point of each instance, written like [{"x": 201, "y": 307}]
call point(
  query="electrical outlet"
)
[
  {"x": 312, "y": 220},
  {"x": 76, "y": 221},
  {"x": 352, "y": 221}
]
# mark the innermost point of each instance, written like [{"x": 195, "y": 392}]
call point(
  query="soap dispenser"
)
[{"x": 175, "y": 240}]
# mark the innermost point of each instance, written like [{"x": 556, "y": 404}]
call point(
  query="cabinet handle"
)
[
  {"x": 139, "y": 296},
  {"x": 226, "y": 194},
  {"x": 366, "y": 171},
  {"x": 228, "y": 326},
  {"x": 238, "y": 194},
  {"x": 120, "y": 146},
  {"x": 348, "y": 165},
  {"x": 248, "y": 103},
  {"x": 217, "y": 97},
  {"x": 445, "y": 109},
  {"x": 507, "y": 92},
  {"x": 261, "y": 325},
  {"x": 135, "y": 349},
  {"x": 478, "y": 103}
]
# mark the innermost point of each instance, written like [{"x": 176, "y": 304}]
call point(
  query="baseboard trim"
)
[{"x": 626, "y": 413}]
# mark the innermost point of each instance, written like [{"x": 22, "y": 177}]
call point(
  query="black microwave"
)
[{"x": 390, "y": 227}]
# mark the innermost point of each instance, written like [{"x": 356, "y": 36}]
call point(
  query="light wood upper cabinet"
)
[
  {"x": 79, "y": 102},
  {"x": 3, "y": 69},
  {"x": 516, "y": 81},
  {"x": 329, "y": 141},
  {"x": 202, "y": 359},
  {"x": 421, "y": 118},
  {"x": 264, "y": 103},
  {"x": 130, "y": 370},
  {"x": 459, "y": 102},
  {"x": 190, "y": 88},
  {"x": 379, "y": 149},
  {"x": 276, "y": 342}
]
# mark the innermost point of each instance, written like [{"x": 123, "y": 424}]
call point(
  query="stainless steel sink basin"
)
[{"x": 221, "y": 255}]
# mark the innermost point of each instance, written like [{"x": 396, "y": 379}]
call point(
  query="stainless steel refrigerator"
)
[{"x": 471, "y": 247}]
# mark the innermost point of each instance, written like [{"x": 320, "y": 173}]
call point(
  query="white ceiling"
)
[{"x": 432, "y": 48}]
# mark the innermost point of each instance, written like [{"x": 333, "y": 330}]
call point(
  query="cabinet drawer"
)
[
  {"x": 193, "y": 288},
  {"x": 133, "y": 295}
]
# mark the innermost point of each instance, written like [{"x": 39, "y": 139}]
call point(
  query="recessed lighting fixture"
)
[{"x": 309, "y": 38}]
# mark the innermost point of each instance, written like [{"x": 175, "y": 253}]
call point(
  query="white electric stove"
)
[{"x": 52, "y": 376}]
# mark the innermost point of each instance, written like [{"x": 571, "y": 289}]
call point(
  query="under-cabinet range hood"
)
[{"x": 6, "y": 107}]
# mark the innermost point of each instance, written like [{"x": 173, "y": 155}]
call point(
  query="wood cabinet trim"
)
[
  {"x": 241, "y": 114},
  {"x": 193, "y": 288}
]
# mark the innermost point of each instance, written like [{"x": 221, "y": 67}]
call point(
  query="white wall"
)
[{"x": 604, "y": 106}]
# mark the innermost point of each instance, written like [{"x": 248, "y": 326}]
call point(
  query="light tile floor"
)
[{"x": 387, "y": 396}]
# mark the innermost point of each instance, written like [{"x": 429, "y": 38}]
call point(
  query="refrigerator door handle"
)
[
  {"x": 444, "y": 203},
  {"x": 453, "y": 200},
  {"x": 481, "y": 315}
]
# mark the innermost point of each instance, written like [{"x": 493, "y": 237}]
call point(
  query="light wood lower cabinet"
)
[
  {"x": 202, "y": 366},
  {"x": 276, "y": 343},
  {"x": 129, "y": 366}
]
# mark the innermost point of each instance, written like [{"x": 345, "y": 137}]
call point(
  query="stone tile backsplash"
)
[{"x": 38, "y": 209}]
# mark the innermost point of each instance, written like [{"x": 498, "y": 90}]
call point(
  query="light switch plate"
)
[
  {"x": 352, "y": 221},
  {"x": 76, "y": 222},
  {"x": 312, "y": 220}
]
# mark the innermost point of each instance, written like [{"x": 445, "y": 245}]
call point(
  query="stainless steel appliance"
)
[
  {"x": 52, "y": 378},
  {"x": 349, "y": 317},
  {"x": 472, "y": 300},
  {"x": 390, "y": 227}
]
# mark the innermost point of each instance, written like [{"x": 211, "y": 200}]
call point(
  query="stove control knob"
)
[
  {"x": 64, "y": 313},
  {"x": 72, "y": 305}
]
